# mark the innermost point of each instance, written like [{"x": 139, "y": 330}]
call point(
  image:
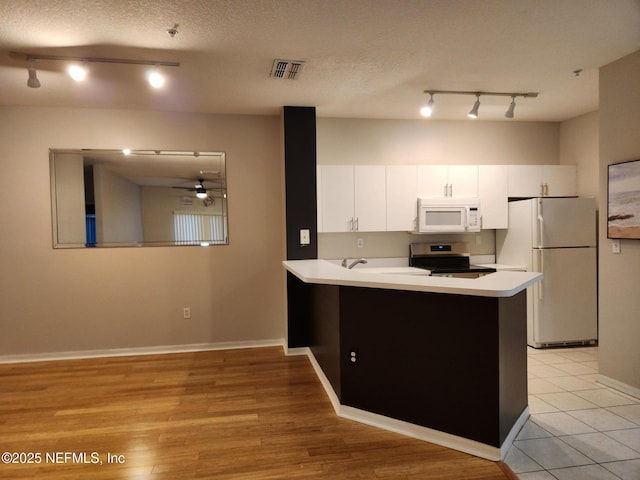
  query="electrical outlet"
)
[
  {"x": 360, "y": 242},
  {"x": 354, "y": 357},
  {"x": 305, "y": 237},
  {"x": 186, "y": 313}
]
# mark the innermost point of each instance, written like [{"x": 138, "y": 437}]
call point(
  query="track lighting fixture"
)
[
  {"x": 33, "y": 81},
  {"x": 511, "y": 109},
  {"x": 78, "y": 70},
  {"x": 156, "y": 79},
  {"x": 474, "y": 111},
  {"x": 427, "y": 110}
]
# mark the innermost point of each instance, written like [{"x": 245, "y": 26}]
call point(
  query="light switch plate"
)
[
  {"x": 615, "y": 246},
  {"x": 305, "y": 237}
]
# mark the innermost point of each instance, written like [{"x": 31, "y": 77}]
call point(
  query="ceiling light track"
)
[
  {"x": 79, "y": 72},
  {"x": 428, "y": 109}
]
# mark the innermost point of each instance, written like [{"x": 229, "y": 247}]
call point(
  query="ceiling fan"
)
[{"x": 199, "y": 188}]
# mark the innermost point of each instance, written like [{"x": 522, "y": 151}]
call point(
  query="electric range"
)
[{"x": 445, "y": 260}]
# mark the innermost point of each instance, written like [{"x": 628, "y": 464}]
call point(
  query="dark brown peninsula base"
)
[{"x": 452, "y": 363}]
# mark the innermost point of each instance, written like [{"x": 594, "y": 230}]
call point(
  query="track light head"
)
[
  {"x": 156, "y": 79},
  {"x": 77, "y": 72},
  {"x": 33, "y": 81},
  {"x": 427, "y": 110},
  {"x": 474, "y": 111},
  {"x": 512, "y": 107}
]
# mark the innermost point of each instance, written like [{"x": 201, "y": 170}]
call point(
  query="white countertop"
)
[{"x": 498, "y": 284}]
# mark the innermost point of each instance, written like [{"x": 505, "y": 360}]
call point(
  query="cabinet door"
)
[
  {"x": 370, "y": 204},
  {"x": 337, "y": 198},
  {"x": 402, "y": 197},
  {"x": 319, "y": 197},
  {"x": 560, "y": 180},
  {"x": 493, "y": 193},
  {"x": 525, "y": 181},
  {"x": 432, "y": 181},
  {"x": 463, "y": 180}
]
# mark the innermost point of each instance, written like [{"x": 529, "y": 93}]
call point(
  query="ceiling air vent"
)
[{"x": 288, "y": 69}]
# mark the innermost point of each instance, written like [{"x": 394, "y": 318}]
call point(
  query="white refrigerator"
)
[{"x": 557, "y": 237}]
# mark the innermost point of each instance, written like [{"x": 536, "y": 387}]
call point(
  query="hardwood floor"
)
[{"x": 235, "y": 414}]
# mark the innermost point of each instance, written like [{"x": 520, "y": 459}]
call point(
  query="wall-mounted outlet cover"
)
[
  {"x": 615, "y": 246},
  {"x": 305, "y": 236}
]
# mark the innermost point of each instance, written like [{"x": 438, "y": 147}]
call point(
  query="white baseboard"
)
[
  {"x": 508, "y": 442},
  {"x": 416, "y": 431},
  {"x": 296, "y": 351},
  {"x": 618, "y": 385},
  {"x": 125, "y": 352}
]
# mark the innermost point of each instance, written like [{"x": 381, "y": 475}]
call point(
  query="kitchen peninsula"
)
[{"x": 438, "y": 358}]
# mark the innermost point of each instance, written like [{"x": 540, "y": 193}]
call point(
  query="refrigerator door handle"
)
[
  {"x": 541, "y": 270},
  {"x": 540, "y": 224}
]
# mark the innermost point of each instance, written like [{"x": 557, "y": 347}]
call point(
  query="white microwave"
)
[{"x": 448, "y": 215}]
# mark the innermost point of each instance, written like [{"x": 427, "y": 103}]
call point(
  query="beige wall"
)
[
  {"x": 86, "y": 299},
  {"x": 387, "y": 142},
  {"x": 579, "y": 140},
  {"x": 376, "y": 142},
  {"x": 619, "y": 273}
]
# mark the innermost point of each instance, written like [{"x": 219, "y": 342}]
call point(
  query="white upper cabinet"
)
[
  {"x": 493, "y": 193},
  {"x": 448, "y": 181},
  {"x": 352, "y": 198},
  {"x": 542, "y": 181},
  {"x": 337, "y": 192},
  {"x": 370, "y": 199},
  {"x": 319, "y": 197},
  {"x": 378, "y": 198},
  {"x": 402, "y": 197},
  {"x": 560, "y": 180}
]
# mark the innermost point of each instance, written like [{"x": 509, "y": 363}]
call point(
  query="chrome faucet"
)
[{"x": 354, "y": 263}]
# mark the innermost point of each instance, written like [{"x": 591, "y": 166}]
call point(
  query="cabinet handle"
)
[
  {"x": 351, "y": 225},
  {"x": 451, "y": 189},
  {"x": 446, "y": 190},
  {"x": 542, "y": 189},
  {"x": 356, "y": 225},
  {"x": 546, "y": 189}
]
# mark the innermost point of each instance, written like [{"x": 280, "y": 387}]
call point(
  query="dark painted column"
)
[
  {"x": 299, "y": 129},
  {"x": 300, "y": 180}
]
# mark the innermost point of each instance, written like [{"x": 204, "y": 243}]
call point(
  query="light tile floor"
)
[{"x": 578, "y": 429}]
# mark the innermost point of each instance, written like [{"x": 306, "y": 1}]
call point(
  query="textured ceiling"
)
[{"x": 364, "y": 58}]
